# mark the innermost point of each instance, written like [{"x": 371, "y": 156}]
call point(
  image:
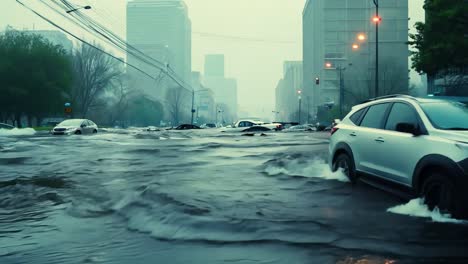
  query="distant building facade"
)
[
  {"x": 162, "y": 30},
  {"x": 287, "y": 92},
  {"x": 225, "y": 89},
  {"x": 331, "y": 28},
  {"x": 204, "y": 105},
  {"x": 214, "y": 65}
]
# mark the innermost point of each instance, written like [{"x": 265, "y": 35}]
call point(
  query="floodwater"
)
[{"x": 132, "y": 196}]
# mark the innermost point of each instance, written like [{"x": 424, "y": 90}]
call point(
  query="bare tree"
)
[
  {"x": 175, "y": 98},
  {"x": 94, "y": 71}
]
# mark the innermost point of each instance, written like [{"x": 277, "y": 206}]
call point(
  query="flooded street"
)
[{"x": 132, "y": 196}]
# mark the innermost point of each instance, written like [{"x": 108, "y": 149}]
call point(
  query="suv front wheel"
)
[
  {"x": 440, "y": 191},
  {"x": 344, "y": 162}
]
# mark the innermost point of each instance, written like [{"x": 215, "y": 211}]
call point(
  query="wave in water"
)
[
  {"x": 169, "y": 217},
  {"x": 297, "y": 165},
  {"x": 417, "y": 208},
  {"x": 17, "y": 132}
]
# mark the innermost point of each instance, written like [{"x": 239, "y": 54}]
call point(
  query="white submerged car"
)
[
  {"x": 75, "y": 126},
  {"x": 410, "y": 144},
  {"x": 249, "y": 125}
]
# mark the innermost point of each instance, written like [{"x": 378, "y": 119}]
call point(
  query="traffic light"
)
[
  {"x": 317, "y": 81},
  {"x": 377, "y": 19}
]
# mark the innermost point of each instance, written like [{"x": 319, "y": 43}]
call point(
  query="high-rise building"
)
[
  {"x": 225, "y": 89},
  {"x": 204, "y": 102},
  {"x": 339, "y": 43},
  {"x": 288, "y": 90},
  {"x": 214, "y": 65},
  {"x": 162, "y": 30}
]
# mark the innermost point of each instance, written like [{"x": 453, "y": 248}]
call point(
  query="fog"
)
[{"x": 256, "y": 37}]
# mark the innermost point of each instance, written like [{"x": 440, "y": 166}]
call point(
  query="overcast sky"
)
[{"x": 257, "y": 36}]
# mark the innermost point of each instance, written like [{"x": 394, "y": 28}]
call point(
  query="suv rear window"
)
[
  {"x": 356, "y": 116},
  {"x": 374, "y": 118}
]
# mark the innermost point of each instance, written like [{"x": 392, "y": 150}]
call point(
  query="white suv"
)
[{"x": 408, "y": 143}]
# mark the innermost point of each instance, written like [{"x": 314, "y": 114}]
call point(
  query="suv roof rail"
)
[{"x": 389, "y": 96}]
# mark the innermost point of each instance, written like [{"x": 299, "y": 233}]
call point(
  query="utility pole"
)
[
  {"x": 193, "y": 105},
  {"x": 300, "y": 102},
  {"x": 308, "y": 109},
  {"x": 377, "y": 20},
  {"x": 341, "y": 90}
]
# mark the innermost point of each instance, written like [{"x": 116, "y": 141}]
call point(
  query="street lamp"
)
[
  {"x": 355, "y": 46},
  {"x": 299, "y": 92},
  {"x": 361, "y": 37},
  {"x": 328, "y": 65},
  {"x": 78, "y": 8},
  {"x": 377, "y": 19}
]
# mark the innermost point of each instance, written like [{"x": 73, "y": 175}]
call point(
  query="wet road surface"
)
[{"x": 131, "y": 196}]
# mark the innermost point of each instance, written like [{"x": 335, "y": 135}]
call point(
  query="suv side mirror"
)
[{"x": 408, "y": 128}]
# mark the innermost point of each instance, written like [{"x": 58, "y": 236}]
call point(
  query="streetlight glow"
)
[
  {"x": 377, "y": 19},
  {"x": 328, "y": 65},
  {"x": 355, "y": 46},
  {"x": 361, "y": 37}
]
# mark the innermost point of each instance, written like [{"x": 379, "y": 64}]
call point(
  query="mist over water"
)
[{"x": 133, "y": 196}]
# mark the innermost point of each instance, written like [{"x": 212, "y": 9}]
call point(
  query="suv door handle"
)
[
  {"x": 380, "y": 139},
  {"x": 353, "y": 134}
]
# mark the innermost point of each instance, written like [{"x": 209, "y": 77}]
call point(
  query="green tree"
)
[
  {"x": 35, "y": 76},
  {"x": 94, "y": 72},
  {"x": 441, "y": 43},
  {"x": 142, "y": 111}
]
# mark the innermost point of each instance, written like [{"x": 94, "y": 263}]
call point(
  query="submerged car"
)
[
  {"x": 6, "y": 126},
  {"x": 415, "y": 145},
  {"x": 75, "y": 126},
  {"x": 249, "y": 125}
]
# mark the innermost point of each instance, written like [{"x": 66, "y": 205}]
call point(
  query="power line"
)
[
  {"x": 98, "y": 30},
  {"x": 84, "y": 41}
]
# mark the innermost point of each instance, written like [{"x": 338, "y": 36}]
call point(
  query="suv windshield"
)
[{"x": 447, "y": 115}]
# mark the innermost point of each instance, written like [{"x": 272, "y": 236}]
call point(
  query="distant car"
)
[
  {"x": 408, "y": 143},
  {"x": 324, "y": 126},
  {"x": 75, "y": 126},
  {"x": 302, "y": 128},
  {"x": 243, "y": 125},
  {"x": 6, "y": 126},
  {"x": 187, "y": 127},
  {"x": 208, "y": 125}
]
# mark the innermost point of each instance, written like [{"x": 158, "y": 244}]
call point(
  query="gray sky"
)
[{"x": 257, "y": 65}]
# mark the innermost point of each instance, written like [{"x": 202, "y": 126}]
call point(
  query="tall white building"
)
[
  {"x": 332, "y": 27},
  {"x": 225, "y": 89},
  {"x": 162, "y": 30},
  {"x": 287, "y": 92}
]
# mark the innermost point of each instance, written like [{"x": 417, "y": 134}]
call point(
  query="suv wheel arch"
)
[{"x": 436, "y": 162}]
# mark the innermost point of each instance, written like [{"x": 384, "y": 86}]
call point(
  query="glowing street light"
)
[
  {"x": 328, "y": 65},
  {"x": 377, "y": 19},
  {"x": 355, "y": 46},
  {"x": 361, "y": 37}
]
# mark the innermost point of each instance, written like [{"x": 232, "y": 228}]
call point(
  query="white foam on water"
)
[
  {"x": 17, "y": 132},
  {"x": 315, "y": 168},
  {"x": 417, "y": 208}
]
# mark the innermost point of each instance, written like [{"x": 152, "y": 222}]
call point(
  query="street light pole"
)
[
  {"x": 193, "y": 105},
  {"x": 300, "y": 102},
  {"x": 377, "y": 21},
  {"x": 341, "y": 91}
]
